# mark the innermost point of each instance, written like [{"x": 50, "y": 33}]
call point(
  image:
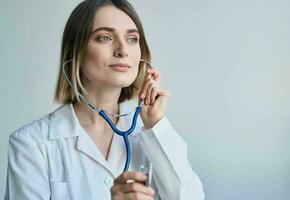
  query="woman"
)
[{"x": 72, "y": 152}]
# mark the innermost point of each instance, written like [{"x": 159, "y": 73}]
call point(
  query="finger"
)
[
  {"x": 132, "y": 187},
  {"x": 152, "y": 70},
  {"x": 131, "y": 196},
  {"x": 149, "y": 78},
  {"x": 155, "y": 73},
  {"x": 158, "y": 93},
  {"x": 151, "y": 74},
  {"x": 161, "y": 91},
  {"x": 148, "y": 93},
  {"x": 142, "y": 93},
  {"x": 162, "y": 96},
  {"x": 144, "y": 89},
  {"x": 154, "y": 93},
  {"x": 137, "y": 196},
  {"x": 137, "y": 176}
]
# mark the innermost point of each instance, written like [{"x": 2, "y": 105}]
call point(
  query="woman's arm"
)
[
  {"x": 27, "y": 174},
  {"x": 174, "y": 177}
]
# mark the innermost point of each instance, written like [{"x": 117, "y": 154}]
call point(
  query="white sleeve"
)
[
  {"x": 27, "y": 172},
  {"x": 173, "y": 175}
]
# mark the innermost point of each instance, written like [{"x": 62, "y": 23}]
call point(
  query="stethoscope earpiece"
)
[{"x": 145, "y": 61}]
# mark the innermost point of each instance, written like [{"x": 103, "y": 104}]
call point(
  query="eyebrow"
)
[{"x": 110, "y": 29}]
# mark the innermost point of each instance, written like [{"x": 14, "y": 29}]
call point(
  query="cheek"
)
[
  {"x": 136, "y": 56},
  {"x": 134, "y": 73},
  {"x": 90, "y": 63},
  {"x": 95, "y": 54},
  {"x": 138, "y": 53}
]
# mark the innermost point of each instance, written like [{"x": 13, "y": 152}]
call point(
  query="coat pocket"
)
[{"x": 59, "y": 190}]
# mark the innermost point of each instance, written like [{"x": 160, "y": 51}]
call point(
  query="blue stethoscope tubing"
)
[
  {"x": 103, "y": 114},
  {"x": 124, "y": 134}
]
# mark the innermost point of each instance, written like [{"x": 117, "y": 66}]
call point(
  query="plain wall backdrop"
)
[{"x": 225, "y": 62}]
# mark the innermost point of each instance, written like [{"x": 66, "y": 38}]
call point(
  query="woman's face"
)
[{"x": 114, "y": 39}]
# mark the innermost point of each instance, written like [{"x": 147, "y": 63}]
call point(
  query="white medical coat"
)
[{"x": 54, "y": 158}]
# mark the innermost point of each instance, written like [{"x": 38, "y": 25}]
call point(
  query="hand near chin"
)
[{"x": 155, "y": 99}]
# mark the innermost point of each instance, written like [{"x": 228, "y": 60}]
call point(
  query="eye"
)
[
  {"x": 133, "y": 39},
  {"x": 103, "y": 38}
]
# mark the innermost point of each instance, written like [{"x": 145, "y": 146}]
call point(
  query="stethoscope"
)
[{"x": 105, "y": 116}]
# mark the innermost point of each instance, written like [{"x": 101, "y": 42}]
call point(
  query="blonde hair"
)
[{"x": 74, "y": 42}]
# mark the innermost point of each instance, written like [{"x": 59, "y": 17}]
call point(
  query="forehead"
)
[{"x": 110, "y": 16}]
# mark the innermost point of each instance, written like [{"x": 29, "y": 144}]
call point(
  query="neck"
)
[{"x": 104, "y": 98}]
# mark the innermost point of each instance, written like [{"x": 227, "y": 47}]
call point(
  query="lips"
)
[{"x": 120, "y": 67}]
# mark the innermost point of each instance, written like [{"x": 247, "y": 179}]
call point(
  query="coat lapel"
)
[{"x": 86, "y": 145}]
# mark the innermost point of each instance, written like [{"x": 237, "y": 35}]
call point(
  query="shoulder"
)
[{"x": 37, "y": 129}]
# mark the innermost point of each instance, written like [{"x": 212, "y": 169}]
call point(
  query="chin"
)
[
  {"x": 123, "y": 81},
  {"x": 121, "y": 84}
]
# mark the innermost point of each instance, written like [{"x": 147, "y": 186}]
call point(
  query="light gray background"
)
[{"x": 226, "y": 64}]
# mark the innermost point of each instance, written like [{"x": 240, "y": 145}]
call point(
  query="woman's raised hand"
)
[{"x": 155, "y": 99}]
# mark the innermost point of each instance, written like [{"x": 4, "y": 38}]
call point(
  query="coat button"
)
[{"x": 109, "y": 182}]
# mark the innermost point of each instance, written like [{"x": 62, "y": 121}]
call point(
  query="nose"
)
[{"x": 120, "y": 50}]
